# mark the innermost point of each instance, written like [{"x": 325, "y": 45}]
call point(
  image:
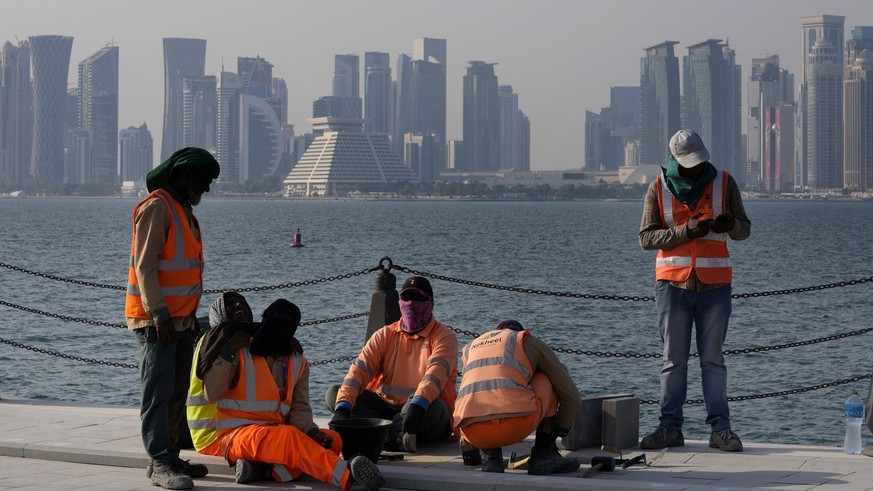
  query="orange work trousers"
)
[
  {"x": 285, "y": 445},
  {"x": 500, "y": 432}
]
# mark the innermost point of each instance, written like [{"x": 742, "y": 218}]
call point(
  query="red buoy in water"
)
[{"x": 297, "y": 241}]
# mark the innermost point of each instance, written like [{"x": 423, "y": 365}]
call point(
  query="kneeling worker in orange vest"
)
[
  {"x": 513, "y": 384},
  {"x": 261, "y": 392}
]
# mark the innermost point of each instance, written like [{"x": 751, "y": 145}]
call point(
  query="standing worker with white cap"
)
[{"x": 689, "y": 213}]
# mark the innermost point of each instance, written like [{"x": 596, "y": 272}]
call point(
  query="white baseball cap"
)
[{"x": 688, "y": 149}]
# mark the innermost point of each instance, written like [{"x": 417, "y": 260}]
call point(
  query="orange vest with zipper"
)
[
  {"x": 496, "y": 380},
  {"x": 708, "y": 255},
  {"x": 256, "y": 398},
  {"x": 180, "y": 265}
]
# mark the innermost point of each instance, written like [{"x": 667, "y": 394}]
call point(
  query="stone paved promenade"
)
[{"x": 60, "y": 446}]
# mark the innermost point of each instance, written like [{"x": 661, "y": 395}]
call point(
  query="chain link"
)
[
  {"x": 69, "y": 357},
  {"x": 333, "y": 360},
  {"x": 62, "y": 317},
  {"x": 801, "y": 390},
  {"x": 58, "y": 278}
]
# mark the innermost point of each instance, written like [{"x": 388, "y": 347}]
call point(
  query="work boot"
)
[
  {"x": 245, "y": 471},
  {"x": 662, "y": 438},
  {"x": 170, "y": 476},
  {"x": 469, "y": 453},
  {"x": 194, "y": 471},
  {"x": 366, "y": 473},
  {"x": 548, "y": 460},
  {"x": 492, "y": 459},
  {"x": 725, "y": 440}
]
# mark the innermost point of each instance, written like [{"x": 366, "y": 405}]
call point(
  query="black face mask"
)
[{"x": 276, "y": 334}]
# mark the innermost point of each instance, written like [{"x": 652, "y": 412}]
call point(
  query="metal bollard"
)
[{"x": 384, "y": 306}]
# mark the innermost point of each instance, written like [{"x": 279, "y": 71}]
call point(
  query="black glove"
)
[
  {"x": 320, "y": 437},
  {"x": 698, "y": 228},
  {"x": 341, "y": 414},
  {"x": 723, "y": 223},
  {"x": 413, "y": 422}
]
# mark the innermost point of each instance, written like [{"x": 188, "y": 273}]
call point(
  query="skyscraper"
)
[
  {"x": 768, "y": 85},
  {"x": 509, "y": 127},
  {"x": 377, "y": 92},
  {"x": 481, "y": 117},
  {"x": 659, "y": 102},
  {"x": 280, "y": 99},
  {"x": 16, "y": 114},
  {"x": 858, "y": 113},
  {"x": 815, "y": 28},
  {"x": 257, "y": 76},
  {"x": 710, "y": 102},
  {"x": 608, "y": 133},
  {"x": 136, "y": 153},
  {"x": 98, "y": 111},
  {"x": 183, "y": 57},
  {"x": 260, "y": 139},
  {"x": 199, "y": 112},
  {"x": 346, "y": 76},
  {"x": 228, "y": 91},
  {"x": 824, "y": 116},
  {"x": 421, "y": 92},
  {"x": 51, "y": 65}
]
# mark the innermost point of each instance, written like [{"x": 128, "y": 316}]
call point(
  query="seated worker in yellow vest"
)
[
  {"x": 229, "y": 306},
  {"x": 261, "y": 392},
  {"x": 513, "y": 384},
  {"x": 405, "y": 373}
]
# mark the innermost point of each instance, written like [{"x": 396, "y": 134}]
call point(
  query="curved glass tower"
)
[{"x": 51, "y": 64}]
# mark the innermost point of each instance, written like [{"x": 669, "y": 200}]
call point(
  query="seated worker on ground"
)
[
  {"x": 405, "y": 373},
  {"x": 261, "y": 392},
  {"x": 513, "y": 384},
  {"x": 229, "y": 306}
]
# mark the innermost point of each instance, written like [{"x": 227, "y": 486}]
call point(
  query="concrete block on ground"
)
[
  {"x": 621, "y": 422},
  {"x": 587, "y": 429}
]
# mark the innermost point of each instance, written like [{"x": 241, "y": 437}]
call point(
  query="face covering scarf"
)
[
  {"x": 276, "y": 334},
  {"x": 415, "y": 314},
  {"x": 685, "y": 189}
]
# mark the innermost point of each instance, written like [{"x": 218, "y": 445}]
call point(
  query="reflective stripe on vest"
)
[
  {"x": 255, "y": 399},
  {"x": 200, "y": 412},
  {"x": 179, "y": 265},
  {"x": 496, "y": 377},
  {"x": 708, "y": 255}
]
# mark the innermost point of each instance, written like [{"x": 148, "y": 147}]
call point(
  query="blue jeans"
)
[
  {"x": 709, "y": 311},
  {"x": 165, "y": 373}
]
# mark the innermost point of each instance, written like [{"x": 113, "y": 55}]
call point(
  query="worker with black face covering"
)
[
  {"x": 262, "y": 395},
  {"x": 405, "y": 373}
]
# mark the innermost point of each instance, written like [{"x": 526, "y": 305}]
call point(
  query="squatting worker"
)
[
  {"x": 165, "y": 281},
  {"x": 512, "y": 385},
  {"x": 261, "y": 391},
  {"x": 690, "y": 212},
  {"x": 405, "y": 373}
]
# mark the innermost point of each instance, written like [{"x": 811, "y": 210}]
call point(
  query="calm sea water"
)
[{"x": 579, "y": 247}]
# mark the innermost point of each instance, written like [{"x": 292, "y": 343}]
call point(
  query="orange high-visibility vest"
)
[
  {"x": 256, "y": 398},
  {"x": 180, "y": 265},
  {"x": 496, "y": 380},
  {"x": 708, "y": 255}
]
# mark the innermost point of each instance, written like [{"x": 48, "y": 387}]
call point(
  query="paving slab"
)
[{"x": 58, "y": 445}]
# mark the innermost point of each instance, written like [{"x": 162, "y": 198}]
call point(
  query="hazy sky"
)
[{"x": 560, "y": 56}]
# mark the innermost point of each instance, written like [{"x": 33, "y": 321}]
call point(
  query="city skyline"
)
[{"x": 561, "y": 57}]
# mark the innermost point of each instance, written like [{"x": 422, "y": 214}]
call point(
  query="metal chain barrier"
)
[
  {"x": 590, "y": 296},
  {"x": 335, "y": 319},
  {"x": 69, "y": 357},
  {"x": 775, "y": 394},
  {"x": 62, "y": 317},
  {"x": 247, "y": 289},
  {"x": 333, "y": 360},
  {"x": 632, "y": 354}
]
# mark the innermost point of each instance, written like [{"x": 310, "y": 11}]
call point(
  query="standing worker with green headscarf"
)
[{"x": 165, "y": 281}]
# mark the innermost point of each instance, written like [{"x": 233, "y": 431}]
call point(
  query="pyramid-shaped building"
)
[{"x": 343, "y": 157}]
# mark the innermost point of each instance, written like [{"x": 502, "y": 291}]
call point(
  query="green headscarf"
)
[
  {"x": 686, "y": 189},
  {"x": 184, "y": 158}
]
